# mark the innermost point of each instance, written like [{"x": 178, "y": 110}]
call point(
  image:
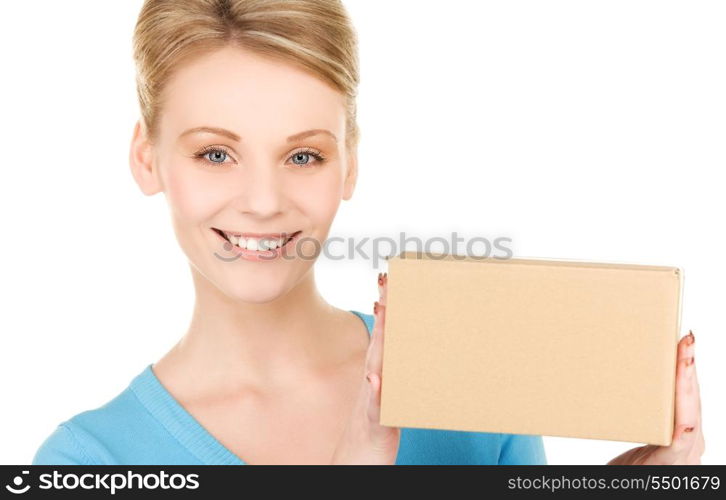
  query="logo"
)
[{"x": 18, "y": 483}]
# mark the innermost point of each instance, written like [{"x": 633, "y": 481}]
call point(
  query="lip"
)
[
  {"x": 258, "y": 255},
  {"x": 272, "y": 236}
]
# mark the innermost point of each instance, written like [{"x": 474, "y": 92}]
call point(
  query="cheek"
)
[
  {"x": 192, "y": 197},
  {"x": 319, "y": 196}
]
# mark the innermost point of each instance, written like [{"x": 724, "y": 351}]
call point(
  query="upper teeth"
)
[{"x": 256, "y": 243}]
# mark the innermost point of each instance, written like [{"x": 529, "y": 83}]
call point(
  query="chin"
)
[{"x": 255, "y": 291}]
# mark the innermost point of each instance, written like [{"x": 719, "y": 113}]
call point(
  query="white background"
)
[{"x": 588, "y": 130}]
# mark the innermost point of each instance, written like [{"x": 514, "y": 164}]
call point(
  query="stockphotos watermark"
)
[
  {"x": 374, "y": 249},
  {"x": 109, "y": 482}
]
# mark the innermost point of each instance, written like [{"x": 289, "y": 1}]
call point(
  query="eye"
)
[
  {"x": 302, "y": 158},
  {"x": 214, "y": 155}
]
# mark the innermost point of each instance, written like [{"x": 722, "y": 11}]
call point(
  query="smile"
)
[{"x": 250, "y": 243}]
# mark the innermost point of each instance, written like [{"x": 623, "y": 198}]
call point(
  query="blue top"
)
[{"x": 145, "y": 425}]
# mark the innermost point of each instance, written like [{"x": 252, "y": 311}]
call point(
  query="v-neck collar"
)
[{"x": 181, "y": 424}]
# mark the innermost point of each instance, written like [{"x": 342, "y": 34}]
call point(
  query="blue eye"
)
[
  {"x": 214, "y": 155},
  {"x": 301, "y": 157},
  {"x": 217, "y": 156},
  {"x": 304, "y": 157}
]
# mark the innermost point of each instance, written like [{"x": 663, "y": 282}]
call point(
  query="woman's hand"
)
[
  {"x": 688, "y": 443},
  {"x": 364, "y": 440}
]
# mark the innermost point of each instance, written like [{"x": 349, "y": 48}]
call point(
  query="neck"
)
[{"x": 231, "y": 343}]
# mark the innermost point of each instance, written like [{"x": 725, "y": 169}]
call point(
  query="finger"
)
[
  {"x": 694, "y": 457},
  {"x": 382, "y": 288},
  {"x": 700, "y": 443},
  {"x": 374, "y": 356},
  {"x": 382, "y": 436},
  {"x": 687, "y": 418},
  {"x": 374, "y": 401},
  {"x": 375, "y": 342},
  {"x": 374, "y": 360},
  {"x": 695, "y": 377}
]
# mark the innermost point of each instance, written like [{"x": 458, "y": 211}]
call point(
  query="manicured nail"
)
[
  {"x": 688, "y": 429},
  {"x": 691, "y": 338}
]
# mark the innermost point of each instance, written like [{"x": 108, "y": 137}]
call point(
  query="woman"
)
[{"x": 249, "y": 129}]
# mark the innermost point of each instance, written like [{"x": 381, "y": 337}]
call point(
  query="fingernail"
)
[
  {"x": 688, "y": 429},
  {"x": 691, "y": 337},
  {"x": 380, "y": 279},
  {"x": 689, "y": 361},
  {"x": 375, "y": 307}
]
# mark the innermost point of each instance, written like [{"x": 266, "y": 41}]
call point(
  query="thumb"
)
[{"x": 374, "y": 398}]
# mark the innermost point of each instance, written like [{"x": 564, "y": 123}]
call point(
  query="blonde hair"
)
[{"x": 316, "y": 35}]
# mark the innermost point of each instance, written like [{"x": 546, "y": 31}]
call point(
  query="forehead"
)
[{"x": 253, "y": 95}]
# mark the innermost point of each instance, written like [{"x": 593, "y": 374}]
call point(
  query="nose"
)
[{"x": 260, "y": 190}]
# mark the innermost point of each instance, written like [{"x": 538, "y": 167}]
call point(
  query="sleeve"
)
[
  {"x": 522, "y": 449},
  {"x": 61, "y": 448}
]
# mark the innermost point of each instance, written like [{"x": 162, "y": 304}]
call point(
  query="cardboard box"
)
[{"x": 526, "y": 346}]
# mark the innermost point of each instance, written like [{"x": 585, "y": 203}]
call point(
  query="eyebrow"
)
[{"x": 231, "y": 135}]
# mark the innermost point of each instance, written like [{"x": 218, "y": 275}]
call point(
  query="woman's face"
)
[{"x": 250, "y": 146}]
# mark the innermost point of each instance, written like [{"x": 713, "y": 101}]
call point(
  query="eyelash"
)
[{"x": 319, "y": 157}]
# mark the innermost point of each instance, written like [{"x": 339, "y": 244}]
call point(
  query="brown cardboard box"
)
[{"x": 524, "y": 346}]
